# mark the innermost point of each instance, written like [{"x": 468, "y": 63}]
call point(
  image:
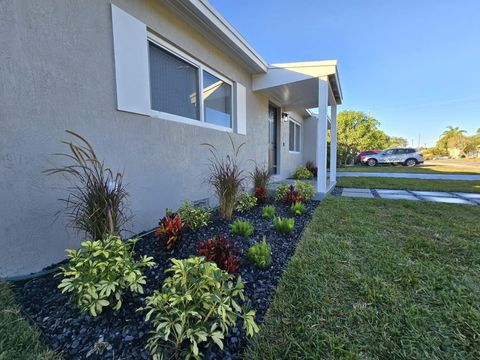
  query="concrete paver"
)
[
  {"x": 433, "y": 193},
  {"x": 451, "y": 200},
  {"x": 435, "y": 196},
  {"x": 399, "y": 197}
]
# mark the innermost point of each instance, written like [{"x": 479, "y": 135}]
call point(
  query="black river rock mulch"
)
[{"x": 123, "y": 334}]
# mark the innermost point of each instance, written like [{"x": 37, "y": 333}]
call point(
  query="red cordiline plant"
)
[
  {"x": 222, "y": 251},
  {"x": 261, "y": 195},
  {"x": 312, "y": 168},
  {"x": 292, "y": 196},
  {"x": 171, "y": 229},
  {"x": 261, "y": 178}
]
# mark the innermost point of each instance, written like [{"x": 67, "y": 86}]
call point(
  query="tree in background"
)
[
  {"x": 455, "y": 142},
  {"x": 357, "y": 131},
  {"x": 396, "y": 141},
  {"x": 449, "y": 135}
]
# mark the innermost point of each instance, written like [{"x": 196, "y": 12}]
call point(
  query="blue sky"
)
[{"x": 415, "y": 64}]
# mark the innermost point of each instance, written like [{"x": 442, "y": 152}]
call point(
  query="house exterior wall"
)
[
  {"x": 290, "y": 161},
  {"x": 56, "y": 73},
  {"x": 310, "y": 139}
]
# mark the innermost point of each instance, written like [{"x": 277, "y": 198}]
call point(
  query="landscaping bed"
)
[{"x": 124, "y": 333}]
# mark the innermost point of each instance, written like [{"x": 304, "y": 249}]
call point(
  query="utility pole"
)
[{"x": 418, "y": 139}]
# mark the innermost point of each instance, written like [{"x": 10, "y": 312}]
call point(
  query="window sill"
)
[
  {"x": 188, "y": 121},
  {"x": 294, "y": 152}
]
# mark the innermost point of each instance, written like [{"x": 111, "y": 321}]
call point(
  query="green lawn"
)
[
  {"x": 18, "y": 339},
  {"x": 420, "y": 169},
  {"x": 379, "y": 279},
  {"x": 409, "y": 184}
]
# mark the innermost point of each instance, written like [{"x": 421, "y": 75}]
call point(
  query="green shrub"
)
[
  {"x": 306, "y": 190},
  {"x": 197, "y": 306},
  {"x": 283, "y": 225},
  {"x": 101, "y": 271},
  {"x": 260, "y": 254},
  {"x": 298, "y": 209},
  {"x": 194, "y": 217},
  {"x": 245, "y": 202},
  {"x": 242, "y": 228},
  {"x": 281, "y": 192},
  {"x": 302, "y": 173},
  {"x": 268, "y": 211}
]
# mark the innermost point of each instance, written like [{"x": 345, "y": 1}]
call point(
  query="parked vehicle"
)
[
  {"x": 404, "y": 156},
  {"x": 441, "y": 157},
  {"x": 362, "y": 154}
]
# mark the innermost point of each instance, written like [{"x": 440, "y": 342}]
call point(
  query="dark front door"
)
[{"x": 272, "y": 139}]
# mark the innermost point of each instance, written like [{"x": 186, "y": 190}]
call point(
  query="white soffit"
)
[{"x": 289, "y": 75}]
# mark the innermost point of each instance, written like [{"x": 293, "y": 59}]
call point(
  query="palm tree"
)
[{"x": 453, "y": 131}]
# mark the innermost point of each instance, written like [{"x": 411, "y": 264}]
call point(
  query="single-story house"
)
[{"x": 146, "y": 82}]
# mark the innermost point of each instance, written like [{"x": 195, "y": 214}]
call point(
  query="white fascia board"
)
[{"x": 213, "y": 21}]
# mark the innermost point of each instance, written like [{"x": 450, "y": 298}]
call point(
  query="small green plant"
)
[
  {"x": 260, "y": 254},
  {"x": 298, "y": 208},
  {"x": 268, "y": 212},
  {"x": 281, "y": 192},
  {"x": 194, "y": 217},
  {"x": 245, "y": 202},
  {"x": 283, "y": 225},
  {"x": 302, "y": 173},
  {"x": 306, "y": 190},
  {"x": 242, "y": 228},
  {"x": 101, "y": 271},
  {"x": 197, "y": 306}
]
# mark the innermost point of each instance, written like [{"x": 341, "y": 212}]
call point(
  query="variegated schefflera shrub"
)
[
  {"x": 101, "y": 271},
  {"x": 196, "y": 307}
]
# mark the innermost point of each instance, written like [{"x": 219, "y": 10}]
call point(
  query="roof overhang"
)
[
  {"x": 201, "y": 15},
  {"x": 296, "y": 84}
]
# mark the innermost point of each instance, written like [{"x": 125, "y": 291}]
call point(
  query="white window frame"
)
[
  {"x": 294, "y": 137},
  {"x": 201, "y": 67}
]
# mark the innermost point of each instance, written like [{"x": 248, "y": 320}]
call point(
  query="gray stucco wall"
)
[
  {"x": 310, "y": 139},
  {"x": 57, "y": 73},
  {"x": 290, "y": 161}
]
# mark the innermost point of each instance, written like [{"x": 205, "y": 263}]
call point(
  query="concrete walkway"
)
[
  {"x": 411, "y": 176},
  {"x": 435, "y": 196}
]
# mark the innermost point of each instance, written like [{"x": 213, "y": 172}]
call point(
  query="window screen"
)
[{"x": 173, "y": 84}]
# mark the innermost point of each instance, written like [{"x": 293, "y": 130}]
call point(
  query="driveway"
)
[{"x": 411, "y": 176}]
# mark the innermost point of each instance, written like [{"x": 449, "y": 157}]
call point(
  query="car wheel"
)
[
  {"x": 411, "y": 162},
  {"x": 372, "y": 162}
]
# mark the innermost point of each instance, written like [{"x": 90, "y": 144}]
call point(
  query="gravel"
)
[{"x": 123, "y": 334}]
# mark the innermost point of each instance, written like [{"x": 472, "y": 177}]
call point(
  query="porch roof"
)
[{"x": 296, "y": 84}]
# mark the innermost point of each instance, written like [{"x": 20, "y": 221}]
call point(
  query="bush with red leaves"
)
[
  {"x": 170, "y": 228},
  {"x": 312, "y": 168},
  {"x": 261, "y": 194},
  {"x": 292, "y": 196},
  {"x": 221, "y": 251}
]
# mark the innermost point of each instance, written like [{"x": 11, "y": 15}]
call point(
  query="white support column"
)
[
  {"x": 322, "y": 126},
  {"x": 333, "y": 144}
]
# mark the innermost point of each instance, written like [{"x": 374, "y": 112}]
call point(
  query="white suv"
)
[{"x": 404, "y": 156}]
